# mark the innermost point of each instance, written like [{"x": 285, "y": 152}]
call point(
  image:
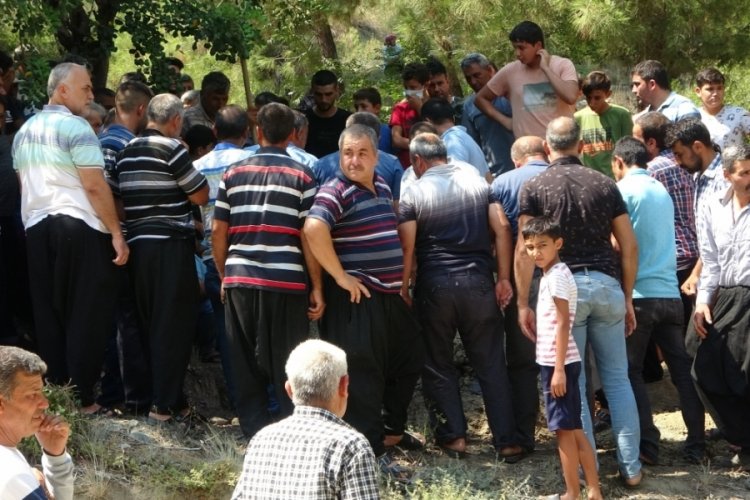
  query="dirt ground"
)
[
  {"x": 539, "y": 474},
  {"x": 146, "y": 450}
]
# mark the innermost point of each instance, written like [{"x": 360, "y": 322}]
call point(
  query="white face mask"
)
[{"x": 415, "y": 93}]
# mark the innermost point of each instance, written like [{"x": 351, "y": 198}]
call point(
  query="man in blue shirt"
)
[
  {"x": 656, "y": 298},
  {"x": 494, "y": 139}
]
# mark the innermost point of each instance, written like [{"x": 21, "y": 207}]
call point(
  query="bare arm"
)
[
  {"x": 690, "y": 286},
  {"x": 219, "y": 245},
  {"x": 503, "y": 253},
  {"x": 565, "y": 90},
  {"x": 318, "y": 236},
  {"x": 100, "y": 196},
  {"x": 483, "y": 101},
  {"x": 397, "y": 137},
  {"x": 562, "y": 333},
  {"x": 524, "y": 270},
  {"x": 315, "y": 272},
  {"x": 407, "y": 232},
  {"x": 623, "y": 232},
  {"x": 199, "y": 197}
]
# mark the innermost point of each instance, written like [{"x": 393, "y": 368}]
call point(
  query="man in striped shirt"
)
[
  {"x": 352, "y": 230},
  {"x": 261, "y": 256},
  {"x": 157, "y": 183}
]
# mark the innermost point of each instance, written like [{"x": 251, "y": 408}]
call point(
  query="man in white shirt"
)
[{"x": 22, "y": 414}]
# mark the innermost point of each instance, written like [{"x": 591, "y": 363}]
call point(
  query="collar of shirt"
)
[
  {"x": 151, "y": 131},
  {"x": 637, "y": 171},
  {"x": 376, "y": 179},
  {"x": 566, "y": 160},
  {"x": 225, "y": 145},
  {"x": 315, "y": 411},
  {"x": 713, "y": 168},
  {"x": 271, "y": 150},
  {"x": 667, "y": 153},
  {"x": 535, "y": 163},
  {"x": 667, "y": 102},
  {"x": 56, "y": 108}
]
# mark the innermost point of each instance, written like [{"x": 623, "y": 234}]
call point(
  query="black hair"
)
[
  {"x": 687, "y": 132},
  {"x": 653, "y": 70},
  {"x": 631, "y": 151},
  {"x": 324, "y": 77},
  {"x": 437, "y": 110},
  {"x": 527, "y": 31},
  {"x": 276, "y": 121},
  {"x": 415, "y": 71},
  {"x": 199, "y": 136},
  {"x": 544, "y": 225},
  {"x": 369, "y": 94}
]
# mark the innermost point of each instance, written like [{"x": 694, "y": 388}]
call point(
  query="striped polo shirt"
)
[
  {"x": 265, "y": 199},
  {"x": 48, "y": 151},
  {"x": 155, "y": 176},
  {"x": 113, "y": 140},
  {"x": 363, "y": 229}
]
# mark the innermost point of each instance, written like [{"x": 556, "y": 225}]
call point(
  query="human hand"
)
[
  {"x": 630, "y": 322},
  {"x": 544, "y": 58},
  {"x": 317, "y": 304},
  {"x": 701, "y": 317},
  {"x": 406, "y": 295},
  {"x": 527, "y": 322},
  {"x": 122, "y": 251},
  {"x": 690, "y": 286},
  {"x": 557, "y": 385},
  {"x": 503, "y": 293},
  {"x": 354, "y": 286},
  {"x": 53, "y": 435}
]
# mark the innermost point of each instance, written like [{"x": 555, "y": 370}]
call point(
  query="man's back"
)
[
  {"x": 462, "y": 147},
  {"x": 312, "y": 454},
  {"x": 450, "y": 209},
  {"x": 155, "y": 176},
  {"x": 652, "y": 214},
  {"x": 585, "y": 202},
  {"x": 507, "y": 186},
  {"x": 265, "y": 199}
]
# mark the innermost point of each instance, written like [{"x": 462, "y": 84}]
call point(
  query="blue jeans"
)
[{"x": 600, "y": 322}]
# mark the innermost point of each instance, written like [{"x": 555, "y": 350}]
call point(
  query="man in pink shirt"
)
[{"x": 540, "y": 86}]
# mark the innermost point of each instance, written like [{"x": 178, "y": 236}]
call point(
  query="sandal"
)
[
  {"x": 451, "y": 453},
  {"x": 409, "y": 442},
  {"x": 102, "y": 411},
  {"x": 511, "y": 454}
]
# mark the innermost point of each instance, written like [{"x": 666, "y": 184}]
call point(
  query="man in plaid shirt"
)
[{"x": 313, "y": 453}]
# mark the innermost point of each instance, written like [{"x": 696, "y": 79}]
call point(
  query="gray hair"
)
[
  {"x": 59, "y": 74},
  {"x": 300, "y": 120},
  {"x": 475, "y": 58},
  {"x": 191, "y": 97},
  {"x": 429, "y": 146},
  {"x": 14, "y": 360},
  {"x": 164, "y": 107},
  {"x": 732, "y": 154},
  {"x": 358, "y": 131},
  {"x": 364, "y": 118},
  {"x": 95, "y": 107},
  {"x": 563, "y": 133},
  {"x": 314, "y": 370}
]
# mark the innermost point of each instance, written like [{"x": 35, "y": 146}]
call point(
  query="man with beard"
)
[{"x": 326, "y": 120}]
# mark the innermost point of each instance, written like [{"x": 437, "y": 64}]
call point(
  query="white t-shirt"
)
[
  {"x": 18, "y": 482},
  {"x": 557, "y": 282},
  {"x": 728, "y": 127}
]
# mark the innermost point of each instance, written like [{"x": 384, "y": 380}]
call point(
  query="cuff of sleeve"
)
[
  {"x": 56, "y": 460},
  {"x": 703, "y": 297}
]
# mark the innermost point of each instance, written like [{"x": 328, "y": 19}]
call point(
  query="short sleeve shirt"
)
[
  {"x": 559, "y": 283},
  {"x": 532, "y": 98},
  {"x": 599, "y": 134},
  {"x": 729, "y": 127},
  {"x": 584, "y": 202},
  {"x": 364, "y": 231},
  {"x": 403, "y": 116}
]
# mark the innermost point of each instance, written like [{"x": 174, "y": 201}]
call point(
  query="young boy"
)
[
  {"x": 557, "y": 355},
  {"x": 728, "y": 125},
  {"x": 368, "y": 100},
  {"x": 602, "y": 123},
  {"x": 406, "y": 112}
]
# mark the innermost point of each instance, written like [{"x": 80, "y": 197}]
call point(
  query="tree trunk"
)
[
  {"x": 325, "y": 38},
  {"x": 92, "y": 39}
]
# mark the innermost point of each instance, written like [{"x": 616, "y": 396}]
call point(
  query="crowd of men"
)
[{"x": 176, "y": 217}]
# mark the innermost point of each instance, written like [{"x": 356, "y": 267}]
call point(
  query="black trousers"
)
[
  {"x": 660, "y": 321},
  {"x": 165, "y": 286},
  {"x": 262, "y": 329},
  {"x": 73, "y": 291},
  {"x": 384, "y": 352},
  {"x": 721, "y": 368},
  {"x": 523, "y": 371},
  {"x": 127, "y": 374},
  {"x": 465, "y": 302}
]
